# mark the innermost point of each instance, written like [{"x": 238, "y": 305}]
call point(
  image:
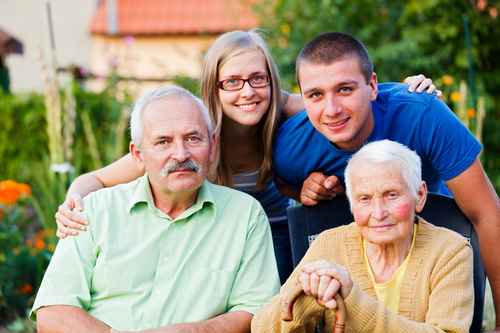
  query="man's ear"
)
[
  {"x": 374, "y": 87},
  {"x": 421, "y": 197},
  {"x": 137, "y": 155},
  {"x": 213, "y": 148}
]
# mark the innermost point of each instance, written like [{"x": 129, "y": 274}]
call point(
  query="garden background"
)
[{"x": 48, "y": 139}]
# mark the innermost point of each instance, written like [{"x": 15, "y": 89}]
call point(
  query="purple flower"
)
[{"x": 129, "y": 40}]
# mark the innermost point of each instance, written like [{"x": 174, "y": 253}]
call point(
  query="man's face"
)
[
  {"x": 176, "y": 151},
  {"x": 338, "y": 101}
]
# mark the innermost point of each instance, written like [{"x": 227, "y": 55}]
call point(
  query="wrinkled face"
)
[
  {"x": 176, "y": 151},
  {"x": 338, "y": 101},
  {"x": 248, "y": 105},
  {"x": 382, "y": 204}
]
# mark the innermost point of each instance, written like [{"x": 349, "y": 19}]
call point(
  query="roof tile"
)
[{"x": 172, "y": 17}]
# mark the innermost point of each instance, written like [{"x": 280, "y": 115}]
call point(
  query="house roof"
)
[
  {"x": 174, "y": 17},
  {"x": 9, "y": 44}
]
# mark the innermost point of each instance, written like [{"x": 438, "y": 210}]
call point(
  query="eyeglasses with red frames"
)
[{"x": 258, "y": 81}]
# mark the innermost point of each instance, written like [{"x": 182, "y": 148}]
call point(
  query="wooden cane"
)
[{"x": 295, "y": 292}]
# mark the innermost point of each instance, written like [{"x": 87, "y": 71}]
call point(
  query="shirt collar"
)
[
  {"x": 205, "y": 195},
  {"x": 143, "y": 194}
]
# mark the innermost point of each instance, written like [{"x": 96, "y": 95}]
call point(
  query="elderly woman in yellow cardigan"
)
[{"x": 395, "y": 271}]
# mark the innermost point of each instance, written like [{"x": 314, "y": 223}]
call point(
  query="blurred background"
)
[{"x": 71, "y": 69}]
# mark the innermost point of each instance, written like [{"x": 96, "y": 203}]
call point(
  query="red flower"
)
[
  {"x": 40, "y": 244},
  {"x": 26, "y": 289}
]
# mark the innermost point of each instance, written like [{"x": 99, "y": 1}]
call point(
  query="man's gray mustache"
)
[{"x": 187, "y": 164}]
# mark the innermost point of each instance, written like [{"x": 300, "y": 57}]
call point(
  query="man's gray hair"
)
[
  {"x": 151, "y": 98},
  {"x": 386, "y": 151}
]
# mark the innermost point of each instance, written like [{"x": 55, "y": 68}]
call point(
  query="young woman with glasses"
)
[{"x": 240, "y": 85}]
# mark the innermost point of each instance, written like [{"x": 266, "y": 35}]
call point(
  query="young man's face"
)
[{"x": 338, "y": 101}]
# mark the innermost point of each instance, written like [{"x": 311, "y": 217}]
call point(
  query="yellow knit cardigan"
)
[{"x": 437, "y": 294}]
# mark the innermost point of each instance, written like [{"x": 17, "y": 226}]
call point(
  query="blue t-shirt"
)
[{"x": 422, "y": 122}]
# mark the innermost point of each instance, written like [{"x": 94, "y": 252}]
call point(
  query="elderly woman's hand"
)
[{"x": 322, "y": 279}]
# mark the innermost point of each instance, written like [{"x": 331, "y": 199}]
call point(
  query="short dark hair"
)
[{"x": 331, "y": 47}]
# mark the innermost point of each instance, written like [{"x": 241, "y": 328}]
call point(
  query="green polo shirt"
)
[{"x": 135, "y": 268}]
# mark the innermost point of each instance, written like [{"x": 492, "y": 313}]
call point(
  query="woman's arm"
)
[
  {"x": 121, "y": 171},
  {"x": 294, "y": 103}
]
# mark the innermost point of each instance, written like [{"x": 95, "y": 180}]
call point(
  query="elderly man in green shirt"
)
[{"x": 168, "y": 252}]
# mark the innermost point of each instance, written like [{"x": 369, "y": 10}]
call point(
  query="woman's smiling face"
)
[{"x": 248, "y": 105}]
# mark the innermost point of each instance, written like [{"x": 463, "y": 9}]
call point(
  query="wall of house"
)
[
  {"x": 26, "y": 20},
  {"x": 148, "y": 57}
]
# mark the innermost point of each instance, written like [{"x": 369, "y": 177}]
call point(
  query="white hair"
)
[
  {"x": 160, "y": 94},
  {"x": 386, "y": 151}
]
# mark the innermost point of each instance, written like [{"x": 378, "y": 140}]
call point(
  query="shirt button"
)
[
  {"x": 149, "y": 325},
  {"x": 166, "y": 259},
  {"x": 173, "y": 224},
  {"x": 158, "y": 292},
  {"x": 214, "y": 275}
]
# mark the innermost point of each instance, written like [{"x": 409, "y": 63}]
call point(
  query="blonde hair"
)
[{"x": 224, "y": 48}]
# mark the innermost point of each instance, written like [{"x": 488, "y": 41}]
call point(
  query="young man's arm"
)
[
  {"x": 237, "y": 322},
  {"x": 478, "y": 200},
  {"x": 67, "y": 318}
]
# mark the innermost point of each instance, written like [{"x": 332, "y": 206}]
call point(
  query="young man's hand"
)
[{"x": 319, "y": 187}]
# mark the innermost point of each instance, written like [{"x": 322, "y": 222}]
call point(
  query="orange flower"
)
[
  {"x": 26, "y": 289},
  {"x": 9, "y": 192},
  {"x": 455, "y": 96},
  {"x": 29, "y": 243},
  {"x": 25, "y": 190},
  {"x": 447, "y": 80},
  {"x": 471, "y": 113},
  {"x": 40, "y": 244},
  {"x": 33, "y": 252},
  {"x": 15, "y": 251}
]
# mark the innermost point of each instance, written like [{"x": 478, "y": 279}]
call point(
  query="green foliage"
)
[
  {"x": 99, "y": 122},
  {"x": 23, "y": 136},
  {"x": 22, "y": 260},
  {"x": 24, "y": 154},
  {"x": 4, "y": 78},
  {"x": 50, "y": 191},
  {"x": 106, "y": 114},
  {"x": 403, "y": 38},
  {"x": 186, "y": 82}
]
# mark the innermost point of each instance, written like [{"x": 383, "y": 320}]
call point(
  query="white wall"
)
[{"x": 26, "y": 20}]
